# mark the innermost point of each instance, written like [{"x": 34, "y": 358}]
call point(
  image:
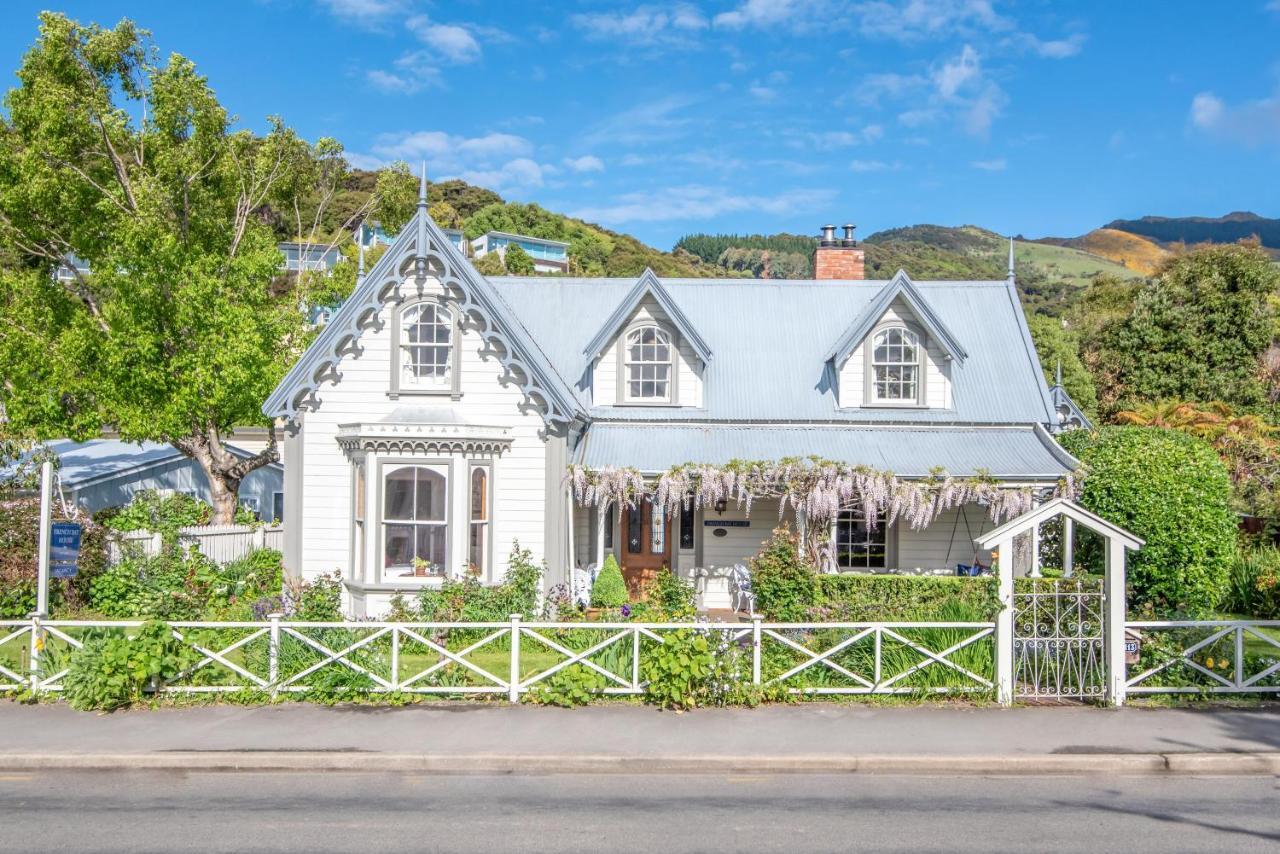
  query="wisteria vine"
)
[{"x": 817, "y": 489}]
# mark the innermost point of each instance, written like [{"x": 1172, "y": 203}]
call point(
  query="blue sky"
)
[{"x": 1035, "y": 117}]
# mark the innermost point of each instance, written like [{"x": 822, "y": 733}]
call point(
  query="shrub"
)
[
  {"x": 677, "y": 670},
  {"x": 1173, "y": 491},
  {"x": 609, "y": 590},
  {"x": 19, "y": 540},
  {"x": 904, "y": 598},
  {"x": 670, "y": 596},
  {"x": 1253, "y": 585},
  {"x": 108, "y": 673},
  {"x": 315, "y": 601},
  {"x": 470, "y": 601},
  {"x": 784, "y": 585},
  {"x": 164, "y": 513}
]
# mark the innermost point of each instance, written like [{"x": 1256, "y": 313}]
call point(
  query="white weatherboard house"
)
[{"x": 433, "y": 420}]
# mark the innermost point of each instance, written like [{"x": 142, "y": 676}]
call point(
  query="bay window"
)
[
  {"x": 478, "y": 526},
  {"x": 415, "y": 522}
]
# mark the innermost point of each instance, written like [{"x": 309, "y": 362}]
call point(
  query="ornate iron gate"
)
[{"x": 1058, "y": 648}]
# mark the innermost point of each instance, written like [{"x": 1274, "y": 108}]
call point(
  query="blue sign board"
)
[
  {"x": 726, "y": 523},
  {"x": 64, "y": 549}
]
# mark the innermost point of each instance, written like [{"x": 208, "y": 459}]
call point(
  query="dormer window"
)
[
  {"x": 426, "y": 350},
  {"x": 648, "y": 353},
  {"x": 896, "y": 369}
]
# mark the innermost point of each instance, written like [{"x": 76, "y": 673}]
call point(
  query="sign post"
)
[{"x": 46, "y": 509}]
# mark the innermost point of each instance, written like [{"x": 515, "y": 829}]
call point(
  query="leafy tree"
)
[
  {"x": 444, "y": 215},
  {"x": 1057, "y": 345},
  {"x": 184, "y": 325},
  {"x": 1171, "y": 489},
  {"x": 490, "y": 265},
  {"x": 518, "y": 261},
  {"x": 1196, "y": 332}
]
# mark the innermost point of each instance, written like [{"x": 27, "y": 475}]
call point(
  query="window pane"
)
[
  {"x": 657, "y": 531},
  {"x": 432, "y": 500},
  {"x": 398, "y": 502},
  {"x": 479, "y": 495},
  {"x": 476, "y": 557},
  {"x": 399, "y": 545},
  {"x": 432, "y": 541},
  {"x": 634, "y": 529},
  {"x": 608, "y": 527},
  {"x": 686, "y": 527}
]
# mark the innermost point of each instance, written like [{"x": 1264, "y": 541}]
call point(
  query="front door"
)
[{"x": 646, "y": 546}]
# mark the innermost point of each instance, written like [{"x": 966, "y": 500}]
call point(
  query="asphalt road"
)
[{"x": 151, "y": 811}]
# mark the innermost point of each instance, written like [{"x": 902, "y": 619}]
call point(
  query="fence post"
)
[
  {"x": 157, "y": 543},
  {"x": 273, "y": 652},
  {"x": 1004, "y": 625},
  {"x": 1117, "y": 670},
  {"x": 259, "y": 538},
  {"x": 513, "y": 686},
  {"x": 37, "y": 644},
  {"x": 755, "y": 648}
]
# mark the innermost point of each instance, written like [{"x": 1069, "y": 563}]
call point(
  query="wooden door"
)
[{"x": 646, "y": 546}]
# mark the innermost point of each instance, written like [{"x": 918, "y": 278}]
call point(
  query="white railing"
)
[
  {"x": 1204, "y": 656},
  {"x": 220, "y": 543},
  {"x": 515, "y": 657}
]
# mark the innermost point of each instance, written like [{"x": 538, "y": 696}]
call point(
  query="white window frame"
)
[
  {"x": 486, "y": 525},
  {"x": 882, "y": 530},
  {"x": 919, "y": 365},
  {"x": 625, "y": 364},
  {"x": 402, "y": 380},
  {"x": 385, "y": 469}
]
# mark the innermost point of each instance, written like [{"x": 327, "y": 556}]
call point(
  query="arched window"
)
[
  {"x": 895, "y": 366},
  {"x": 648, "y": 357},
  {"x": 415, "y": 521},
  {"x": 426, "y": 341}
]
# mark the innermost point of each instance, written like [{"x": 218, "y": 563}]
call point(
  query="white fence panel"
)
[
  {"x": 220, "y": 543},
  {"x": 513, "y": 657},
  {"x": 1204, "y": 657}
]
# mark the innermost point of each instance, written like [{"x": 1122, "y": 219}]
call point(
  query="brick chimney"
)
[{"x": 838, "y": 258}]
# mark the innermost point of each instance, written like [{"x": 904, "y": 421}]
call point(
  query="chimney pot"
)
[
  {"x": 828, "y": 235},
  {"x": 848, "y": 234}
]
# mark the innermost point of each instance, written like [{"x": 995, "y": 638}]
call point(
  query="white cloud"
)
[
  {"x": 655, "y": 121},
  {"x": 1055, "y": 48},
  {"x": 914, "y": 20},
  {"x": 370, "y": 13},
  {"x": 999, "y": 164},
  {"x": 832, "y": 139},
  {"x": 1249, "y": 123},
  {"x": 870, "y": 166},
  {"x": 643, "y": 25},
  {"x": 769, "y": 13},
  {"x": 499, "y": 161},
  {"x": 585, "y": 163},
  {"x": 762, "y": 93},
  {"x": 697, "y": 202},
  {"x": 958, "y": 72},
  {"x": 404, "y": 81},
  {"x": 447, "y": 41}
]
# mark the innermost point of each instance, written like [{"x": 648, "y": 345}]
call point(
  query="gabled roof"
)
[
  {"x": 422, "y": 242},
  {"x": 648, "y": 285},
  {"x": 899, "y": 287},
  {"x": 1051, "y": 509}
]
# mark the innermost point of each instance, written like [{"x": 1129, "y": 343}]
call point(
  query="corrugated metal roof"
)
[
  {"x": 772, "y": 339},
  {"x": 1016, "y": 453},
  {"x": 82, "y": 463}
]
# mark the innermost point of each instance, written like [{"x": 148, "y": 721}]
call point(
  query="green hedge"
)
[
  {"x": 903, "y": 598},
  {"x": 1172, "y": 490}
]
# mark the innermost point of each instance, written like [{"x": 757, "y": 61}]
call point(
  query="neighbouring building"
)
[
  {"x": 431, "y": 424},
  {"x": 549, "y": 256},
  {"x": 105, "y": 473}
]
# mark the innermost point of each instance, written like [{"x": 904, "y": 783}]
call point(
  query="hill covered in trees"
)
[{"x": 1232, "y": 228}]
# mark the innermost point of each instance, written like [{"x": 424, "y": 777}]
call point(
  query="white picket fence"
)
[
  {"x": 220, "y": 543},
  {"x": 515, "y": 657}
]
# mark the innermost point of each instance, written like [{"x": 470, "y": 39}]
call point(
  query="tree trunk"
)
[{"x": 224, "y": 470}]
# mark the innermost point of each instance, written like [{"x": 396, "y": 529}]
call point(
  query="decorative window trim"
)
[
  {"x": 621, "y": 370},
  {"x": 439, "y": 439},
  {"x": 869, "y": 399},
  {"x": 454, "y": 390}
]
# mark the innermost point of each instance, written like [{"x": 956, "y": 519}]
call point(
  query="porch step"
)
[{"x": 724, "y": 615}]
